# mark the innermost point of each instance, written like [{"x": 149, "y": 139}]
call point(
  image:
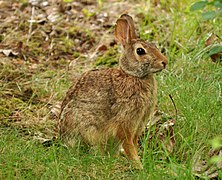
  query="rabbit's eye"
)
[{"x": 140, "y": 51}]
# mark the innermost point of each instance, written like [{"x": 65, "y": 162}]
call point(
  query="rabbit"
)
[{"x": 115, "y": 104}]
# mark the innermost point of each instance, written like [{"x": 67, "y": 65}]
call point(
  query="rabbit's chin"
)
[
  {"x": 143, "y": 72},
  {"x": 140, "y": 73},
  {"x": 155, "y": 70}
]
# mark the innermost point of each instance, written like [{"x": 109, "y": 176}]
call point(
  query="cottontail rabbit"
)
[{"x": 115, "y": 103}]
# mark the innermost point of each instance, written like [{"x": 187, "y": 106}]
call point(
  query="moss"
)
[
  {"x": 17, "y": 101},
  {"x": 109, "y": 58},
  {"x": 88, "y": 13},
  {"x": 1, "y": 37},
  {"x": 76, "y": 54},
  {"x": 65, "y": 45},
  {"x": 7, "y": 107},
  {"x": 5, "y": 112}
]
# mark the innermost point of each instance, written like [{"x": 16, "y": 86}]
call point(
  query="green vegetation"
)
[
  {"x": 109, "y": 58},
  {"x": 211, "y": 14},
  {"x": 38, "y": 77}
]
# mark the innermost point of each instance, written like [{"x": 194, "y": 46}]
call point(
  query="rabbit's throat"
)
[{"x": 135, "y": 69}]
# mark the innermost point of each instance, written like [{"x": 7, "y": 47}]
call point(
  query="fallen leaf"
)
[
  {"x": 207, "y": 164},
  {"x": 210, "y": 40},
  {"x": 162, "y": 130},
  {"x": 102, "y": 47},
  {"x": 9, "y": 52},
  {"x": 55, "y": 109},
  {"x": 216, "y": 51}
]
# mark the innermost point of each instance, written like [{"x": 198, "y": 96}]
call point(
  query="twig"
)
[
  {"x": 31, "y": 23},
  {"x": 174, "y": 105}
]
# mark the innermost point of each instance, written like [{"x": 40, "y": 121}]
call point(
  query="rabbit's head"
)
[{"x": 139, "y": 58}]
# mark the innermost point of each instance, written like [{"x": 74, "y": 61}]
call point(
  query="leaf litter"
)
[{"x": 215, "y": 44}]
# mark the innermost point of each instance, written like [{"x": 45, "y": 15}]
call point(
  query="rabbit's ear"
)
[
  {"x": 122, "y": 31},
  {"x": 131, "y": 25}
]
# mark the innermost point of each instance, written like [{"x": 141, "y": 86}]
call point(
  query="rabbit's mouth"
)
[
  {"x": 158, "y": 66},
  {"x": 154, "y": 70}
]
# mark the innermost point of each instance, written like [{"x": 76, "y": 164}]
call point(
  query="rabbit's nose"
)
[{"x": 164, "y": 64}]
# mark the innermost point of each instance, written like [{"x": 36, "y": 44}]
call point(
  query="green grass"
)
[
  {"x": 29, "y": 159},
  {"x": 191, "y": 78},
  {"x": 23, "y": 158}
]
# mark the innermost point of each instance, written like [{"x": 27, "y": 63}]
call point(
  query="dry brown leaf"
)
[
  {"x": 8, "y": 52},
  {"x": 55, "y": 109},
  {"x": 210, "y": 41},
  {"x": 203, "y": 168},
  {"x": 161, "y": 130}
]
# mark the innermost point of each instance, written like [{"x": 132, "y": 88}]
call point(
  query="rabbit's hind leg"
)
[
  {"x": 93, "y": 136},
  {"x": 126, "y": 137}
]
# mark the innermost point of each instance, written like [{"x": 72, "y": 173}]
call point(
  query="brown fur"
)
[{"x": 114, "y": 103}]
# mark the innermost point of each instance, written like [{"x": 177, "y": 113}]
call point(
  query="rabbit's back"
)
[{"x": 87, "y": 103}]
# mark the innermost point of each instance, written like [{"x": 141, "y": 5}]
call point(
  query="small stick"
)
[
  {"x": 31, "y": 22},
  {"x": 174, "y": 105}
]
